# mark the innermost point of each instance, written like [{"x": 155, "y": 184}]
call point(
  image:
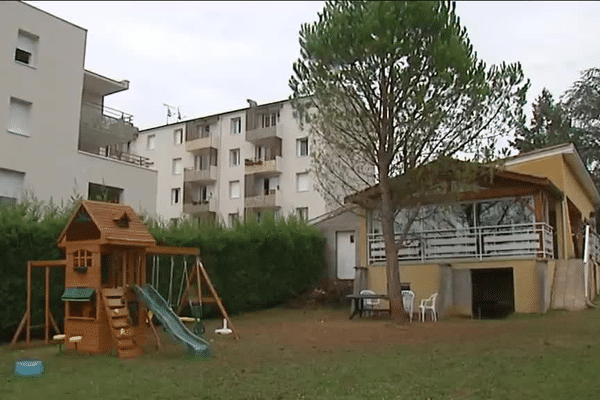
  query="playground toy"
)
[{"x": 108, "y": 303}]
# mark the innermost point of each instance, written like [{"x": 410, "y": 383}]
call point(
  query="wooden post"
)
[
  {"x": 213, "y": 292},
  {"x": 28, "y": 322},
  {"x": 124, "y": 267},
  {"x": 47, "y": 305},
  {"x": 13, "y": 343},
  {"x": 158, "y": 342},
  {"x": 54, "y": 325}
]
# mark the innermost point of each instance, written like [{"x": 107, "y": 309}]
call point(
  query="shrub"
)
[{"x": 252, "y": 266}]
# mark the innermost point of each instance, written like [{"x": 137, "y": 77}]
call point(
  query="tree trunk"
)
[{"x": 391, "y": 255}]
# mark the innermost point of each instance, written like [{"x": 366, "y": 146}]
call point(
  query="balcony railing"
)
[
  {"x": 262, "y": 166},
  {"x": 115, "y": 154},
  {"x": 269, "y": 199},
  {"x": 200, "y": 206},
  {"x": 103, "y": 126},
  {"x": 504, "y": 241},
  {"x": 200, "y": 175}
]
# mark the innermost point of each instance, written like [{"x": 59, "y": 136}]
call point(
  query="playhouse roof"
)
[{"x": 117, "y": 223}]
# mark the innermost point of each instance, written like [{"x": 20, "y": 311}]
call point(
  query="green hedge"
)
[{"x": 253, "y": 266}]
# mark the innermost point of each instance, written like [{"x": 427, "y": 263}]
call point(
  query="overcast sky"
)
[{"x": 209, "y": 57}]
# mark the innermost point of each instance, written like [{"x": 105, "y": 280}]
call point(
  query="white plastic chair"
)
[
  {"x": 369, "y": 304},
  {"x": 408, "y": 299},
  {"x": 428, "y": 304}
]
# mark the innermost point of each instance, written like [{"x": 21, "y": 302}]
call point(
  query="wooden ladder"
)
[{"x": 120, "y": 323}]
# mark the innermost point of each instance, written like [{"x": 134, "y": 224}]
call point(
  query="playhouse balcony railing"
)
[{"x": 501, "y": 241}]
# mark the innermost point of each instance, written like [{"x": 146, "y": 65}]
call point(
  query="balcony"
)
[
  {"x": 270, "y": 199},
  {"x": 200, "y": 175},
  {"x": 263, "y": 167},
  {"x": 199, "y": 207},
  {"x": 196, "y": 143},
  {"x": 254, "y": 135},
  {"x": 104, "y": 126},
  {"x": 114, "y": 153},
  {"x": 533, "y": 240}
]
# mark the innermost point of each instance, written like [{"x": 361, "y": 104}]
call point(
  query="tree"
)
[
  {"x": 582, "y": 104},
  {"x": 550, "y": 125},
  {"x": 389, "y": 87},
  {"x": 575, "y": 119}
]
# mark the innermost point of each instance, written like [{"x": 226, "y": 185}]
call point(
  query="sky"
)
[{"x": 209, "y": 57}]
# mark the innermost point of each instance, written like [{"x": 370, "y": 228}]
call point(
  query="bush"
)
[{"x": 252, "y": 266}]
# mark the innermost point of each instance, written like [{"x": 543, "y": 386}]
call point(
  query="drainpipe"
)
[{"x": 586, "y": 259}]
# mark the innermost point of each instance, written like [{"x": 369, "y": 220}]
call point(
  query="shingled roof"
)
[{"x": 117, "y": 223}]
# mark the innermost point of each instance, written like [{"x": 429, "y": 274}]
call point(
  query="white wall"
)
[
  {"x": 48, "y": 157},
  {"x": 162, "y": 156}
]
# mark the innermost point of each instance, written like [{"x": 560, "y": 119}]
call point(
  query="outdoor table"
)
[{"x": 358, "y": 301}]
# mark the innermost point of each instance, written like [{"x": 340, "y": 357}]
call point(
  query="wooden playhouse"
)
[{"x": 106, "y": 246}]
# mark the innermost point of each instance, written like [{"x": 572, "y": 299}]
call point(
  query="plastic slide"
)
[{"x": 170, "y": 321}]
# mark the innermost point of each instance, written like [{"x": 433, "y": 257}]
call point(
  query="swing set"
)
[{"x": 108, "y": 301}]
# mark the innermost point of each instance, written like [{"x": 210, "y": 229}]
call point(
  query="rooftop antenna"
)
[{"x": 169, "y": 113}]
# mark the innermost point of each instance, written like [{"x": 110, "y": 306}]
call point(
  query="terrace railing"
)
[{"x": 504, "y": 241}]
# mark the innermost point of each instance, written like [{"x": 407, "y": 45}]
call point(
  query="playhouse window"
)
[
  {"x": 80, "y": 302},
  {"x": 82, "y": 260}
]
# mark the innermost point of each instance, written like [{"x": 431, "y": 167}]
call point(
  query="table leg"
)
[{"x": 355, "y": 311}]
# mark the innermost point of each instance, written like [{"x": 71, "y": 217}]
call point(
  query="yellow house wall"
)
[
  {"x": 576, "y": 193},
  {"x": 549, "y": 167},
  {"x": 425, "y": 279},
  {"x": 362, "y": 239}
]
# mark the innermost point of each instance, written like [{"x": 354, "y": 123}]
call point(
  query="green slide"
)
[{"x": 170, "y": 321}]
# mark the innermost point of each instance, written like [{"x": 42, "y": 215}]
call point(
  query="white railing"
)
[{"x": 508, "y": 241}]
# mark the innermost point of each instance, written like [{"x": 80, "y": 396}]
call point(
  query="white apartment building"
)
[
  {"x": 57, "y": 138},
  {"x": 227, "y": 165}
]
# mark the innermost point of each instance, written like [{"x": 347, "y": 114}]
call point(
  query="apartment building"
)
[
  {"x": 228, "y": 165},
  {"x": 57, "y": 138}
]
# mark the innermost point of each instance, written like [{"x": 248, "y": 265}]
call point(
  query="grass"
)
[{"x": 319, "y": 354}]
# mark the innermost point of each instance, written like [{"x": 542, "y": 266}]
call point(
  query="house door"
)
[
  {"x": 345, "y": 244},
  {"x": 493, "y": 292}
]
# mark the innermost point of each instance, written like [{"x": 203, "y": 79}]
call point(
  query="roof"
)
[
  {"x": 446, "y": 168},
  {"x": 147, "y": 130},
  {"x": 110, "y": 219},
  {"x": 572, "y": 158}
]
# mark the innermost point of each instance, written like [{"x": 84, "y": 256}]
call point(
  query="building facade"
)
[
  {"x": 229, "y": 165},
  {"x": 57, "y": 137}
]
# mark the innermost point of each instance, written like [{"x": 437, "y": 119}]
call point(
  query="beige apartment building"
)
[
  {"x": 57, "y": 138},
  {"x": 227, "y": 165}
]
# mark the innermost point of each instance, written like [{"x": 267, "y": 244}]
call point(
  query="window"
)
[
  {"x": 234, "y": 157},
  {"x": 178, "y": 136},
  {"x": 151, "y": 142},
  {"x": 175, "y": 196},
  {"x": 26, "y": 50},
  {"x": 19, "y": 118},
  {"x": 234, "y": 189},
  {"x": 233, "y": 219},
  {"x": 176, "y": 166},
  {"x": 260, "y": 152},
  {"x": 302, "y": 147},
  {"x": 302, "y": 213},
  {"x": 11, "y": 186},
  {"x": 101, "y": 192},
  {"x": 236, "y": 126},
  {"x": 302, "y": 182},
  {"x": 269, "y": 119}
]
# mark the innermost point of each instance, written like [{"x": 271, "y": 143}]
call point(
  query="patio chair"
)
[
  {"x": 408, "y": 298},
  {"x": 369, "y": 304},
  {"x": 428, "y": 304}
]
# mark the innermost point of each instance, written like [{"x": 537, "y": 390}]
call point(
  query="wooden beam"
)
[
  {"x": 54, "y": 324},
  {"x": 28, "y": 329},
  {"x": 173, "y": 251},
  {"x": 154, "y": 332},
  {"x": 213, "y": 292},
  {"x": 13, "y": 343},
  {"x": 48, "y": 263},
  {"x": 47, "y": 305}
]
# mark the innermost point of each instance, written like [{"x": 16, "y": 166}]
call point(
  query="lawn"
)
[{"x": 320, "y": 354}]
